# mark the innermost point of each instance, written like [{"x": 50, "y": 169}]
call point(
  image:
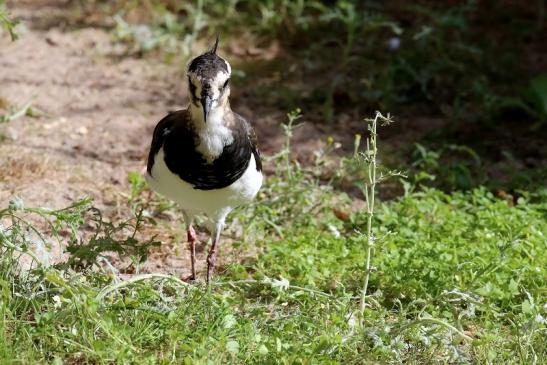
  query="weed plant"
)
[{"x": 6, "y": 23}]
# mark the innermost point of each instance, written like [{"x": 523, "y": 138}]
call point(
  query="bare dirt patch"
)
[{"x": 96, "y": 114}]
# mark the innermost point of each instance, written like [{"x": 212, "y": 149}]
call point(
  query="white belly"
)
[{"x": 216, "y": 203}]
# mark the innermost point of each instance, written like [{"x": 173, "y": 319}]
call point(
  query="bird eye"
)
[{"x": 226, "y": 83}]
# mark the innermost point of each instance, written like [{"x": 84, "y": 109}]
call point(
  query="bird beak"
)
[{"x": 206, "y": 103}]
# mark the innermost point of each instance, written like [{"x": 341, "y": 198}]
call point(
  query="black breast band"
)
[
  {"x": 183, "y": 160},
  {"x": 179, "y": 143}
]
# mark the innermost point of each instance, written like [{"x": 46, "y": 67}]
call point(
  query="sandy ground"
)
[{"x": 98, "y": 116}]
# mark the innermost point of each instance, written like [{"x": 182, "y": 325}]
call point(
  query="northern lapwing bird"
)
[{"x": 205, "y": 158}]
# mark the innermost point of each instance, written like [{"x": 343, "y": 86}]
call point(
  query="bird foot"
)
[{"x": 189, "y": 279}]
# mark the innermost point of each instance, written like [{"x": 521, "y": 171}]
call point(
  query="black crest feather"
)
[
  {"x": 208, "y": 64},
  {"x": 214, "y": 49}
]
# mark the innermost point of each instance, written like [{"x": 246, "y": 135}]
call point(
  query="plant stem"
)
[
  {"x": 370, "y": 186},
  {"x": 288, "y": 129},
  {"x": 111, "y": 288},
  {"x": 438, "y": 322}
]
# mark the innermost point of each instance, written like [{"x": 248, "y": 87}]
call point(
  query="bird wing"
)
[
  {"x": 163, "y": 128},
  {"x": 253, "y": 140}
]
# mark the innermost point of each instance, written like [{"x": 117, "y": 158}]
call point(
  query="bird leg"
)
[
  {"x": 212, "y": 256},
  {"x": 211, "y": 260},
  {"x": 192, "y": 243}
]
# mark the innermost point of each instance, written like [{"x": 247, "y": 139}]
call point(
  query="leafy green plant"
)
[
  {"x": 450, "y": 167},
  {"x": 171, "y": 29},
  {"x": 15, "y": 114},
  {"x": 109, "y": 238},
  {"x": 6, "y": 23},
  {"x": 22, "y": 238}
]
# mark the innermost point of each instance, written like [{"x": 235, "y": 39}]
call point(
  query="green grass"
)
[
  {"x": 6, "y": 24},
  {"x": 457, "y": 278}
]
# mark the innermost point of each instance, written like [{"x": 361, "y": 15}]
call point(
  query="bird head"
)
[{"x": 208, "y": 81}]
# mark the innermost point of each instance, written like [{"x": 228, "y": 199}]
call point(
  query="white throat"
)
[{"x": 213, "y": 135}]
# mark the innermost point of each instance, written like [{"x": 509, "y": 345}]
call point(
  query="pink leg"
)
[
  {"x": 212, "y": 256},
  {"x": 211, "y": 260}
]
